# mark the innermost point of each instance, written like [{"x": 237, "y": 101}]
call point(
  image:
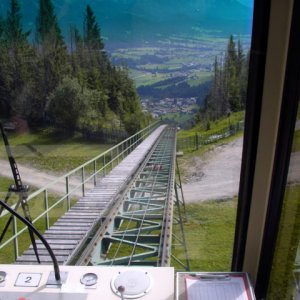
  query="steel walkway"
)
[{"x": 68, "y": 232}]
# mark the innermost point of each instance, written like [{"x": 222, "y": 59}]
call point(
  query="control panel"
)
[{"x": 38, "y": 282}]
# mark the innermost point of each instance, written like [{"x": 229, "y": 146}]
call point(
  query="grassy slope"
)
[
  {"x": 214, "y": 126},
  {"x": 49, "y": 151},
  {"x": 282, "y": 281},
  {"x": 209, "y": 235},
  {"x": 296, "y": 142},
  {"x": 210, "y": 227}
]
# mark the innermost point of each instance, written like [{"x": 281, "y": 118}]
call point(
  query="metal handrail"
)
[{"x": 115, "y": 154}]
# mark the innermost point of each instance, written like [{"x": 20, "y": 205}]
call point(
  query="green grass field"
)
[
  {"x": 199, "y": 78},
  {"x": 52, "y": 152},
  {"x": 209, "y": 234},
  {"x": 296, "y": 141},
  {"x": 146, "y": 78},
  {"x": 282, "y": 281},
  {"x": 177, "y": 117},
  {"x": 215, "y": 127}
]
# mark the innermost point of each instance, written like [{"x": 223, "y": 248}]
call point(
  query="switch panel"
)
[{"x": 31, "y": 282}]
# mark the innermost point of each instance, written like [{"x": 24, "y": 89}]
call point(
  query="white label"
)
[{"x": 28, "y": 279}]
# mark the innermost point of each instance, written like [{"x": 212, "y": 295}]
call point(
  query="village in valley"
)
[{"x": 166, "y": 106}]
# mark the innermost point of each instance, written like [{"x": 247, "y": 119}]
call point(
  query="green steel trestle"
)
[
  {"x": 137, "y": 230},
  {"x": 141, "y": 232}
]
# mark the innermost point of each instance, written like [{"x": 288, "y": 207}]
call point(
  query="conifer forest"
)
[
  {"x": 229, "y": 83},
  {"x": 69, "y": 85}
]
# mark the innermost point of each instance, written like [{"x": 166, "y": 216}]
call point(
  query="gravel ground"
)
[
  {"x": 215, "y": 177},
  {"x": 39, "y": 179}
]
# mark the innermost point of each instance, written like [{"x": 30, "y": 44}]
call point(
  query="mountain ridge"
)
[{"x": 146, "y": 19}]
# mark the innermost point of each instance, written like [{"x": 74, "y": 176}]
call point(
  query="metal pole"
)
[
  {"x": 82, "y": 181},
  {"x": 46, "y": 204},
  {"x": 16, "y": 243},
  {"x": 67, "y": 192},
  {"x": 95, "y": 168}
]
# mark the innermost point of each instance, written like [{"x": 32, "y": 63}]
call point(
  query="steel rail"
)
[
  {"x": 152, "y": 180},
  {"x": 148, "y": 203}
]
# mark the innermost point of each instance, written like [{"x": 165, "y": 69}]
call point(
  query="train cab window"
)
[
  {"x": 278, "y": 273},
  {"x": 94, "y": 75},
  {"x": 285, "y": 272}
]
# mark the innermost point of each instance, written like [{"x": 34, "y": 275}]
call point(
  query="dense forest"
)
[
  {"x": 229, "y": 84},
  {"x": 70, "y": 85}
]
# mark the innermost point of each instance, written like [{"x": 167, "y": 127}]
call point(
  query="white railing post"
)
[
  {"x": 46, "y": 205},
  {"x": 67, "y": 192},
  {"x": 83, "y": 181},
  {"x": 95, "y": 170},
  {"x": 16, "y": 242}
]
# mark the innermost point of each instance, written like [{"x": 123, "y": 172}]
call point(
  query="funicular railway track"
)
[
  {"x": 126, "y": 219},
  {"x": 138, "y": 229}
]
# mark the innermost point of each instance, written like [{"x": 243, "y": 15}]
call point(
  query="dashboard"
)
[{"x": 37, "y": 282}]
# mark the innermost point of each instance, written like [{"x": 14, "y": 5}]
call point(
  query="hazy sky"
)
[{"x": 248, "y": 3}]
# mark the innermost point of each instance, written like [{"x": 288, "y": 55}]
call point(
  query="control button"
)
[
  {"x": 89, "y": 279},
  {"x": 131, "y": 284},
  {"x": 28, "y": 279}
]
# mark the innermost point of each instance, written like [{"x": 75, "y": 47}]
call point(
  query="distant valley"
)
[
  {"x": 169, "y": 46},
  {"x": 173, "y": 71}
]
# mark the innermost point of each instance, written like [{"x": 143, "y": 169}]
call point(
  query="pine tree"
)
[
  {"x": 3, "y": 72},
  {"x": 5, "y": 81},
  {"x": 1, "y": 28},
  {"x": 240, "y": 57},
  {"x": 231, "y": 55},
  {"x": 14, "y": 34},
  {"x": 48, "y": 31},
  {"x": 96, "y": 62},
  {"x": 53, "y": 56},
  {"x": 92, "y": 36},
  {"x": 229, "y": 83},
  {"x": 231, "y": 77},
  {"x": 244, "y": 80},
  {"x": 95, "y": 66},
  {"x": 19, "y": 59}
]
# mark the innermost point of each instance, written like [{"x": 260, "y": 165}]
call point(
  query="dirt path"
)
[
  {"x": 38, "y": 179},
  {"x": 217, "y": 176}
]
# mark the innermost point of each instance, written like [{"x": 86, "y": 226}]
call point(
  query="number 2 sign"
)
[{"x": 28, "y": 279}]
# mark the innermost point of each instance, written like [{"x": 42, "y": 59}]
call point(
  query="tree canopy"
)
[
  {"x": 228, "y": 90},
  {"x": 74, "y": 87}
]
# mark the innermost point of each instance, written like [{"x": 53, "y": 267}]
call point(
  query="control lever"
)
[
  {"x": 40, "y": 236},
  {"x": 121, "y": 290}
]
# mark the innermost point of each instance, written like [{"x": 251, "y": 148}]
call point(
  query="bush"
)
[{"x": 66, "y": 103}]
